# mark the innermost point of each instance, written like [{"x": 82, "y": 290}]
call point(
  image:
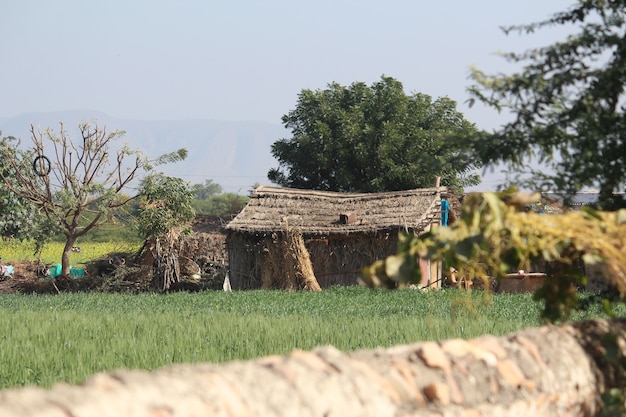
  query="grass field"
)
[
  {"x": 68, "y": 337},
  {"x": 12, "y": 251}
]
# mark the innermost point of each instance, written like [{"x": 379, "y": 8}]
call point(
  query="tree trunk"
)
[
  {"x": 546, "y": 371},
  {"x": 65, "y": 259}
]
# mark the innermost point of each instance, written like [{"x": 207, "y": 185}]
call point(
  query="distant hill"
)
[{"x": 235, "y": 155}]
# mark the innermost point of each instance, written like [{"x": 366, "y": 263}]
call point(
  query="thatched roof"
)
[{"x": 321, "y": 212}]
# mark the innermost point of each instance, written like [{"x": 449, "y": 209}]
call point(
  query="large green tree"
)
[
  {"x": 374, "y": 138},
  {"x": 567, "y": 105}
]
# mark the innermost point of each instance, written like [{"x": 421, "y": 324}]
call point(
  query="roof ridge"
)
[{"x": 265, "y": 189}]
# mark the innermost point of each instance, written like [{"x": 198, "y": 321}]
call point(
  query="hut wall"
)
[
  {"x": 245, "y": 255},
  {"x": 337, "y": 260}
]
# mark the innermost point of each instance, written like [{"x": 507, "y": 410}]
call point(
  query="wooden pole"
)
[{"x": 435, "y": 267}]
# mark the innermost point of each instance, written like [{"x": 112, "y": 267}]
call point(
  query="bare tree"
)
[{"x": 78, "y": 185}]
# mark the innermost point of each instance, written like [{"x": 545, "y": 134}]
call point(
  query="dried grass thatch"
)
[
  {"x": 274, "y": 209},
  {"x": 287, "y": 265}
]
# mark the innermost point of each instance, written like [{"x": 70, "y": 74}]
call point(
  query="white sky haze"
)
[{"x": 245, "y": 60}]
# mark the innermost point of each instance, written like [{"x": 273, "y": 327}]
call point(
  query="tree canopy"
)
[
  {"x": 16, "y": 213},
  {"x": 567, "y": 104},
  {"x": 165, "y": 203},
  {"x": 19, "y": 219},
  {"x": 206, "y": 190},
  {"x": 225, "y": 205},
  {"x": 374, "y": 138}
]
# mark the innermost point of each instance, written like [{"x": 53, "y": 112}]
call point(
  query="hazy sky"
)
[{"x": 244, "y": 59}]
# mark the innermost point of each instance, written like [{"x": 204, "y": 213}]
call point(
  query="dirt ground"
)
[{"x": 25, "y": 280}]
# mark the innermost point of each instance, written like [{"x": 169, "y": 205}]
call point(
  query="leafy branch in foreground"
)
[{"x": 494, "y": 236}]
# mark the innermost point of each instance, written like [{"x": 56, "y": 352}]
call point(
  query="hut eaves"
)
[{"x": 313, "y": 212}]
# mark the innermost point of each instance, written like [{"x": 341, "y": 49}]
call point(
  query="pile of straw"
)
[{"x": 286, "y": 264}]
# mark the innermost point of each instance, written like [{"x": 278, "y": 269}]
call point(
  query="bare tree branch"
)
[{"x": 80, "y": 189}]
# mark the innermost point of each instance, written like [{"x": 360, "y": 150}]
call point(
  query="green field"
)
[
  {"x": 13, "y": 251},
  {"x": 67, "y": 337}
]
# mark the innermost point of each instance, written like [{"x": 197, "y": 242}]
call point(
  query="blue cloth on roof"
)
[{"x": 445, "y": 209}]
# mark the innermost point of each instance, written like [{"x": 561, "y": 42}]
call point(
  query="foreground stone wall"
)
[{"x": 546, "y": 371}]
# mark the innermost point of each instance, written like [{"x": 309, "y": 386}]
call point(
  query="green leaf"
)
[{"x": 393, "y": 266}]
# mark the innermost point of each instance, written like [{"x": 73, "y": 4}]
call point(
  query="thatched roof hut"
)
[{"x": 342, "y": 232}]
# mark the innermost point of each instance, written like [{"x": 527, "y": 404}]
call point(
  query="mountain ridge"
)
[{"x": 233, "y": 154}]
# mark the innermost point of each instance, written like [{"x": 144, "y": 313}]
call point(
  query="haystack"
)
[{"x": 287, "y": 264}]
